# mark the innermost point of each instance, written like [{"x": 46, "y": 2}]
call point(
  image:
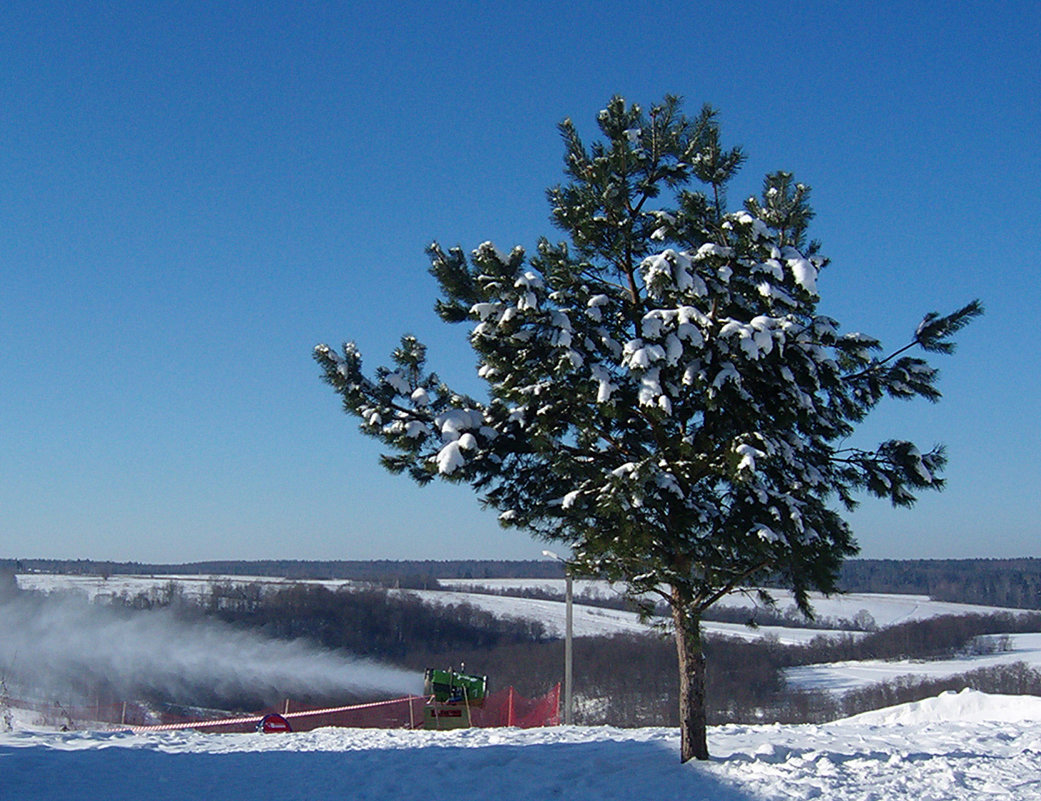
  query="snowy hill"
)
[
  {"x": 885, "y": 609},
  {"x": 957, "y": 746}
]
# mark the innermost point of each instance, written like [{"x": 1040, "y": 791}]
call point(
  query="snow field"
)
[
  {"x": 888, "y": 609},
  {"x": 840, "y": 677},
  {"x": 957, "y": 746},
  {"x": 592, "y": 621}
]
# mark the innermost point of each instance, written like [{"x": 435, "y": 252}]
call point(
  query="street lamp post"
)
[{"x": 568, "y": 635}]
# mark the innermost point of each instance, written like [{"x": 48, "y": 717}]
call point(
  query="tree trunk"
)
[{"x": 693, "y": 724}]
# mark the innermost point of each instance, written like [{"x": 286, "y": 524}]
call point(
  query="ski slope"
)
[{"x": 955, "y": 747}]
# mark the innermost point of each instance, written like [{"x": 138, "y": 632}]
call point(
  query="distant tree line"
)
[
  {"x": 933, "y": 638},
  {"x": 366, "y": 621},
  {"x": 420, "y": 573},
  {"x": 628, "y": 680},
  {"x": 994, "y": 582}
]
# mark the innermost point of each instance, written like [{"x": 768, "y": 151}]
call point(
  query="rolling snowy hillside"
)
[{"x": 885, "y": 609}]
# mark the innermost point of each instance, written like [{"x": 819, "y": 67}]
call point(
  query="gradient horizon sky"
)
[{"x": 194, "y": 194}]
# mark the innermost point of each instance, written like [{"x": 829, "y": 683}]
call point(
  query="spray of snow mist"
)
[{"x": 58, "y": 644}]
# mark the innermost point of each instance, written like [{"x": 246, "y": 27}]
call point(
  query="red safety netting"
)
[
  {"x": 504, "y": 708},
  {"x": 509, "y": 708}
]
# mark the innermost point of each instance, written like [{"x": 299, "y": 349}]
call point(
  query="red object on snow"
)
[{"x": 274, "y": 723}]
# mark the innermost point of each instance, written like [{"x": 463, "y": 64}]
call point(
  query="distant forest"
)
[
  {"x": 995, "y": 582},
  {"x": 412, "y": 573}
]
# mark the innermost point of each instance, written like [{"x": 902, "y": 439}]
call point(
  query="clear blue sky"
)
[{"x": 194, "y": 194}]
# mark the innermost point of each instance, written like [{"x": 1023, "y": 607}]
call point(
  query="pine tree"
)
[{"x": 663, "y": 397}]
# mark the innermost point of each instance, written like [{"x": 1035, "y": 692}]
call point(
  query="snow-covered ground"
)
[
  {"x": 589, "y": 621},
  {"x": 843, "y": 676},
  {"x": 957, "y": 746},
  {"x": 887, "y": 609}
]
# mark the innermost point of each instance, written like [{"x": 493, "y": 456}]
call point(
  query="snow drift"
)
[
  {"x": 967, "y": 705},
  {"x": 950, "y": 748}
]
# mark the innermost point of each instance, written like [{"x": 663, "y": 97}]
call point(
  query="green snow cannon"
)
[{"x": 449, "y": 687}]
